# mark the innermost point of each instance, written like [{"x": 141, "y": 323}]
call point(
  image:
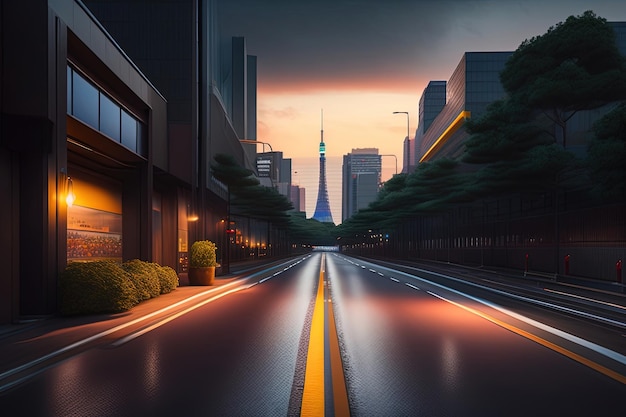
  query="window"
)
[
  {"x": 92, "y": 106},
  {"x": 84, "y": 101},
  {"x": 129, "y": 131},
  {"x": 109, "y": 118}
]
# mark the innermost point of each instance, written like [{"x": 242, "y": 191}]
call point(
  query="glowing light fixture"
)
[
  {"x": 70, "y": 197},
  {"x": 191, "y": 215},
  {"x": 68, "y": 188}
]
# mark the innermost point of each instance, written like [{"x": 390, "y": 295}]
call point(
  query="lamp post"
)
[
  {"x": 408, "y": 157},
  {"x": 254, "y": 142},
  {"x": 394, "y": 157}
]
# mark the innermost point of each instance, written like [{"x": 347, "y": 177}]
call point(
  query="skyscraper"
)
[
  {"x": 322, "y": 208},
  {"x": 360, "y": 180}
]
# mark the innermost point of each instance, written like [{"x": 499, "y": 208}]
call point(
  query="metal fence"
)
[{"x": 543, "y": 234}]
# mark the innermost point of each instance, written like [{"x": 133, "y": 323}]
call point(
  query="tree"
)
[
  {"x": 247, "y": 197},
  {"x": 513, "y": 151},
  {"x": 310, "y": 231},
  {"x": 606, "y": 157},
  {"x": 228, "y": 171},
  {"x": 434, "y": 186},
  {"x": 574, "y": 66}
]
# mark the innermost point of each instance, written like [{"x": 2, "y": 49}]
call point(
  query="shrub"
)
[
  {"x": 96, "y": 287},
  {"x": 144, "y": 277},
  {"x": 168, "y": 278},
  {"x": 202, "y": 254}
]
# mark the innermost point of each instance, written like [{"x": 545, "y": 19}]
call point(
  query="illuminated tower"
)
[{"x": 322, "y": 208}]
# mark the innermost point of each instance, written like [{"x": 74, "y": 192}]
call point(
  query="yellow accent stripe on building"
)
[
  {"x": 313, "y": 395},
  {"x": 450, "y": 130}
]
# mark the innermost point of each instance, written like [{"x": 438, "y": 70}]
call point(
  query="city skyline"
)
[{"x": 362, "y": 61}]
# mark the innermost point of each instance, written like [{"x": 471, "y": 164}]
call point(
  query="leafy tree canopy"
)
[
  {"x": 310, "y": 231},
  {"x": 574, "y": 66},
  {"x": 607, "y": 154},
  {"x": 247, "y": 196},
  {"x": 505, "y": 132},
  {"x": 228, "y": 171}
]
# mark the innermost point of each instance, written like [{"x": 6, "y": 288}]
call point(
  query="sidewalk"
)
[{"x": 29, "y": 346}]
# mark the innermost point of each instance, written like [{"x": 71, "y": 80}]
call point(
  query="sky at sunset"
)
[{"x": 361, "y": 60}]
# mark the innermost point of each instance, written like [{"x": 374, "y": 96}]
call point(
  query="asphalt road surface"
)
[{"x": 404, "y": 343}]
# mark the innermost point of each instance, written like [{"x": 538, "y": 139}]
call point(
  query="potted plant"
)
[{"x": 202, "y": 263}]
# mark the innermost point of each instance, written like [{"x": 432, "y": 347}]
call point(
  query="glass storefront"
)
[{"x": 94, "y": 221}]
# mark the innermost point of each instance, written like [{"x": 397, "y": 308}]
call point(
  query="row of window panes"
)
[{"x": 92, "y": 106}]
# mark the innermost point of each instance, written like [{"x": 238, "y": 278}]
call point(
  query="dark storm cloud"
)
[{"x": 337, "y": 38}]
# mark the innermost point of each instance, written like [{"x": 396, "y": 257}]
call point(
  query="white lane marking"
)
[
  {"x": 394, "y": 279},
  {"x": 160, "y": 323},
  {"x": 182, "y": 313},
  {"x": 381, "y": 274},
  {"x": 122, "y": 326},
  {"x": 618, "y": 357},
  {"x": 585, "y": 298},
  {"x": 412, "y": 286}
]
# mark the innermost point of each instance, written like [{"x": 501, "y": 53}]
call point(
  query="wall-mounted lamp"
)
[
  {"x": 191, "y": 216},
  {"x": 70, "y": 197},
  {"x": 68, "y": 188}
]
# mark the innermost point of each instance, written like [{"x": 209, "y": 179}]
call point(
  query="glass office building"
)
[
  {"x": 474, "y": 84},
  {"x": 360, "y": 180}
]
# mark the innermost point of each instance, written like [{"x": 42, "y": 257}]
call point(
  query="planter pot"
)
[{"x": 201, "y": 276}]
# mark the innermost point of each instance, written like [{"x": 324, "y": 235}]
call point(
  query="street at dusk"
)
[
  {"x": 377, "y": 208},
  {"x": 412, "y": 342}
]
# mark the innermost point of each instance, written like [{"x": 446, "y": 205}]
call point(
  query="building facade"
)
[
  {"x": 474, "y": 84},
  {"x": 361, "y": 177},
  {"x": 130, "y": 139},
  {"x": 431, "y": 103}
]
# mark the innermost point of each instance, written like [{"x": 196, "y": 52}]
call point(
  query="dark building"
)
[
  {"x": 360, "y": 180},
  {"x": 474, "y": 84},
  {"x": 123, "y": 111}
]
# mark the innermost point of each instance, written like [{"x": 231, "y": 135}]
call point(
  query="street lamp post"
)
[
  {"x": 394, "y": 157},
  {"x": 254, "y": 142},
  {"x": 408, "y": 157}
]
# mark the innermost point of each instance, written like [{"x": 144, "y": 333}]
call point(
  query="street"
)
[{"x": 410, "y": 344}]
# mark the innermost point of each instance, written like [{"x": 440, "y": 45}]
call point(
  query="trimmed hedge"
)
[
  {"x": 168, "y": 278},
  {"x": 144, "y": 277},
  {"x": 108, "y": 287},
  {"x": 96, "y": 287}
]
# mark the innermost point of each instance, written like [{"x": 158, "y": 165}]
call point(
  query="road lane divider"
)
[
  {"x": 313, "y": 404},
  {"x": 314, "y": 392},
  {"x": 340, "y": 391},
  {"x": 546, "y": 343}
]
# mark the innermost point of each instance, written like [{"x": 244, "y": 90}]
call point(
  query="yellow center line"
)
[
  {"x": 313, "y": 395},
  {"x": 340, "y": 393}
]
